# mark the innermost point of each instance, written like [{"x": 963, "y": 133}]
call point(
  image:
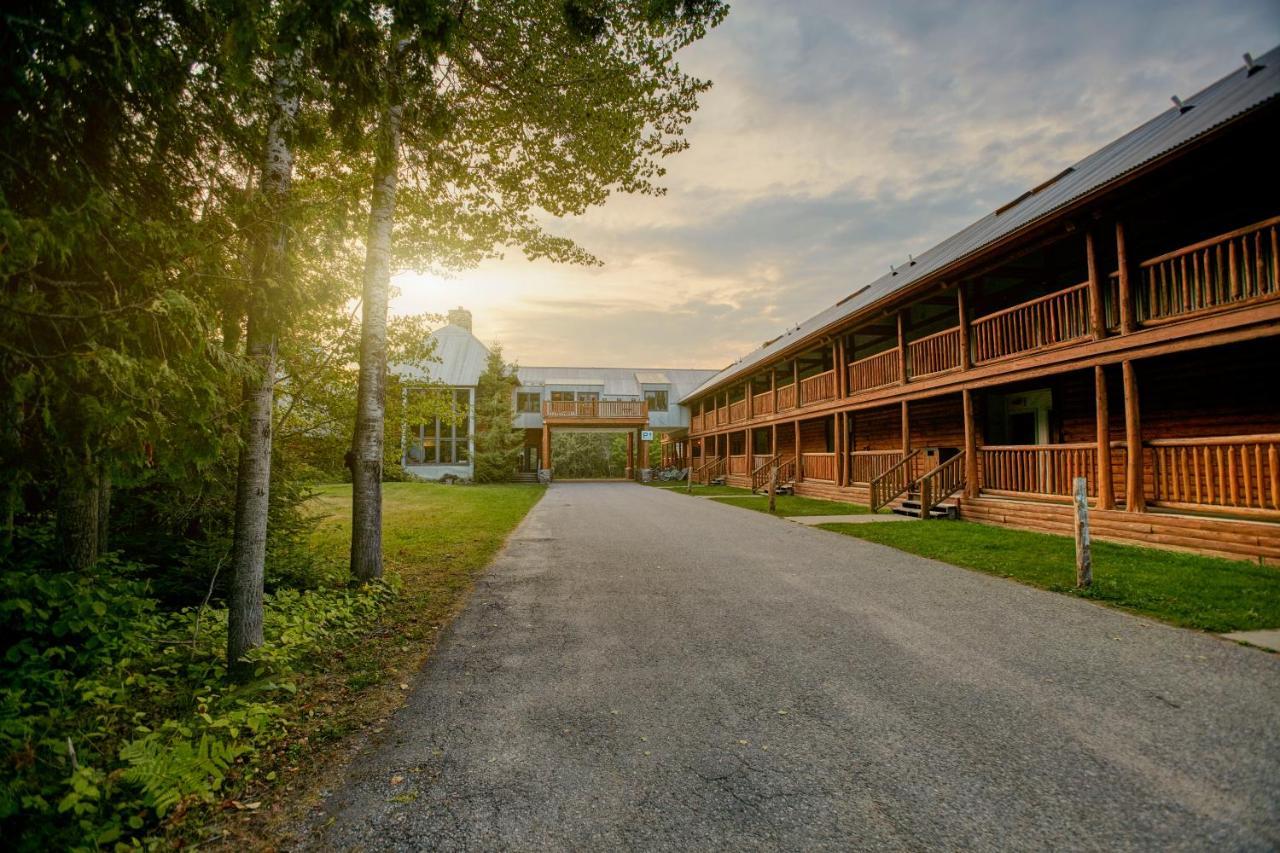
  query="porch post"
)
[
  {"x": 1126, "y": 297},
  {"x": 773, "y": 440},
  {"x": 644, "y": 455},
  {"x": 842, "y": 369},
  {"x": 1097, "y": 316},
  {"x": 1106, "y": 489},
  {"x": 799, "y": 459},
  {"x": 631, "y": 458},
  {"x": 773, "y": 389},
  {"x": 842, "y": 458},
  {"x": 471, "y": 429},
  {"x": 751, "y": 400},
  {"x": 970, "y": 446},
  {"x": 962, "y": 313},
  {"x": 795, "y": 378},
  {"x": 902, "y": 348},
  {"x": 906, "y": 430},
  {"x": 1134, "y": 498},
  {"x": 546, "y": 447}
]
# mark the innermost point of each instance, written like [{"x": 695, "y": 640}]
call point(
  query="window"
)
[
  {"x": 529, "y": 402},
  {"x": 589, "y": 396},
  {"x": 657, "y": 400},
  {"x": 562, "y": 396},
  {"x": 443, "y": 440}
]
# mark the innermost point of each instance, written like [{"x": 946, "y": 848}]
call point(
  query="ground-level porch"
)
[{"x": 1206, "y": 476}]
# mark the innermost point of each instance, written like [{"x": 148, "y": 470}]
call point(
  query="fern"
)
[{"x": 168, "y": 770}]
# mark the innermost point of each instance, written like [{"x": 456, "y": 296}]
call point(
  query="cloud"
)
[{"x": 838, "y": 138}]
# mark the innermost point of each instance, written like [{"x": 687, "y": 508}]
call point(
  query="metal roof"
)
[
  {"x": 617, "y": 381},
  {"x": 1229, "y": 98},
  {"x": 461, "y": 358}
]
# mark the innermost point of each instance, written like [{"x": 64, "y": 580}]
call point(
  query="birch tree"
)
[{"x": 514, "y": 107}]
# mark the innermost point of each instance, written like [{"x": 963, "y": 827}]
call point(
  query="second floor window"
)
[
  {"x": 528, "y": 401},
  {"x": 657, "y": 400}
]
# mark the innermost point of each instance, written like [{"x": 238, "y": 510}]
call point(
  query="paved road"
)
[{"x": 641, "y": 669}]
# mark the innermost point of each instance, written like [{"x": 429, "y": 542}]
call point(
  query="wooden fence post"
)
[
  {"x": 773, "y": 489},
  {"x": 1084, "y": 557}
]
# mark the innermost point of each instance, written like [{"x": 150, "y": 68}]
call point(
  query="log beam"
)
[
  {"x": 1133, "y": 492},
  {"x": 1106, "y": 489},
  {"x": 970, "y": 445},
  {"x": 1097, "y": 315}
]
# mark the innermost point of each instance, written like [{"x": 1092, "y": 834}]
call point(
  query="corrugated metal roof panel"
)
[
  {"x": 1229, "y": 98},
  {"x": 618, "y": 381},
  {"x": 461, "y": 357}
]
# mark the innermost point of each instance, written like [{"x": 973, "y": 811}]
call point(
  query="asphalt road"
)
[{"x": 645, "y": 670}]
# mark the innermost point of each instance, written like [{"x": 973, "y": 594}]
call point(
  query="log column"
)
[
  {"x": 1106, "y": 489},
  {"x": 799, "y": 459},
  {"x": 962, "y": 312},
  {"x": 1134, "y": 498},
  {"x": 1097, "y": 314},
  {"x": 842, "y": 369},
  {"x": 902, "y": 348},
  {"x": 631, "y": 456},
  {"x": 970, "y": 445},
  {"x": 546, "y": 447},
  {"x": 906, "y": 430},
  {"x": 1127, "y": 324}
]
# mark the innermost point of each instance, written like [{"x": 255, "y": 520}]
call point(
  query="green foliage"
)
[
  {"x": 498, "y": 442},
  {"x": 588, "y": 455},
  {"x": 115, "y": 713}
]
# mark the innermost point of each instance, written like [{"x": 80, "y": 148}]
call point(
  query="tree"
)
[
  {"x": 525, "y": 105},
  {"x": 498, "y": 442}
]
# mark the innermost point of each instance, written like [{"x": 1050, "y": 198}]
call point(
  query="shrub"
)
[{"x": 115, "y": 714}]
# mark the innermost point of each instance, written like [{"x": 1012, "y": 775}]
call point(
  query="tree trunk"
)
[
  {"x": 104, "y": 509},
  {"x": 371, "y": 403},
  {"x": 253, "y": 478},
  {"x": 77, "y": 519}
]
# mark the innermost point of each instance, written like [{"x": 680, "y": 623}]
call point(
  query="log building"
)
[{"x": 1119, "y": 322}]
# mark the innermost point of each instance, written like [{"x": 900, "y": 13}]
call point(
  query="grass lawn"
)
[
  {"x": 1208, "y": 593},
  {"x": 797, "y": 505}
]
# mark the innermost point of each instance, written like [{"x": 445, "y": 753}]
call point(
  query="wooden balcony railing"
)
[
  {"x": 695, "y": 423},
  {"x": 738, "y": 411},
  {"x": 816, "y": 389},
  {"x": 874, "y": 371},
  {"x": 866, "y": 465},
  {"x": 739, "y": 465},
  {"x": 762, "y": 404},
  {"x": 1239, "y": 472},
  {"x": 1052, "y": 319},
  {"x": 1038, "y": 469},
  {"x": 595, "y": 409},
  {"x": 941, "y": 483},
  {"x": 818, "y": 466},
  {"x": 722, "y": 415},
  {"x": 894, "y": 481},
  {"x": 786, "y": 398},
  {"x": 935, "y": 353}
]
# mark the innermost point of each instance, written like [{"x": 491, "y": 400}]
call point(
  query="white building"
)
[{"x": 618, "y": 399}]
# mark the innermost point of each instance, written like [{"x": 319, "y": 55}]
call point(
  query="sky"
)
[{"x": 838, "y": 138}]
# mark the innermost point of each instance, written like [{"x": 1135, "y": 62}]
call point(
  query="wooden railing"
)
[
  {"x": 787, "y": 397},
  {"x": 874, "y": 371},
  {"x": 738, "y": 411},
  {"x": 935, "y": 353},
  {"x": 598, "y": 409},
  {"x": 815, "y": 389},
  {"x": 941, "y": 483},
  {"x": 760, "y": 473},
  {"x": 818, "y": 466},
  {"x": 762, "y": 404},
  {"x": 1232, "y": 267},
  {"x": 1039, "y": 469},
  {"x": 722, "y": 415},
  {"x": 893, "y": 482},
  {"x": 1239, "y": 472},
  {"x": 1052, "y": 319},
  {"x": 695, "y": 423},
  {"x": 866, "y": 465},
  {"x": 739, "y": 465},
  {"x": 709, "y": 470}
]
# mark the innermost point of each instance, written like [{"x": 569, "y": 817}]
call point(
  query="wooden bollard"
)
[{"x": 1084, "y": 556}]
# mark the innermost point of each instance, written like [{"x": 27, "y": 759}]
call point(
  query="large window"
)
[
  {"x": 529, "y": 402},
  {"x": 562, "y": 396},
  {"x": 444, "y": 439},
  {"x": 657, "y": 400}
]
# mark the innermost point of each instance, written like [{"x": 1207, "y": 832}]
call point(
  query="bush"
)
[{"x": 116, "y": 715}]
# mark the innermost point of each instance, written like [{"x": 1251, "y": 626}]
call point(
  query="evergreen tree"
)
[{"x": 498, "y": 442}]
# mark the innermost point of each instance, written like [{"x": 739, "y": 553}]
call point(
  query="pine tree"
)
[{"x": 498, "y": 442}]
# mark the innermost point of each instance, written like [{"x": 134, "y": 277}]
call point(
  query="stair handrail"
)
[
  {"x": 760, "y": 475},
  {"x": 786, "y": 469},
  {"x": 708, "y": 472},
  {"x": 941, "y": 482},
  {"x": 701, "y": 470},
  {"x": 893, "y": 482}
]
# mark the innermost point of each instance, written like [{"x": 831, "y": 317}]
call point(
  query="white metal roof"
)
[{"x": 461, "y": 358}]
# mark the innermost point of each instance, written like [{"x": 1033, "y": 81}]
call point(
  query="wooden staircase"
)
[
  {"x": 909, "y": 505},
  {"x": 925, "y": 496},
  {"x": 786, "y": 471},
  {"x": 525, "y": 477}
]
